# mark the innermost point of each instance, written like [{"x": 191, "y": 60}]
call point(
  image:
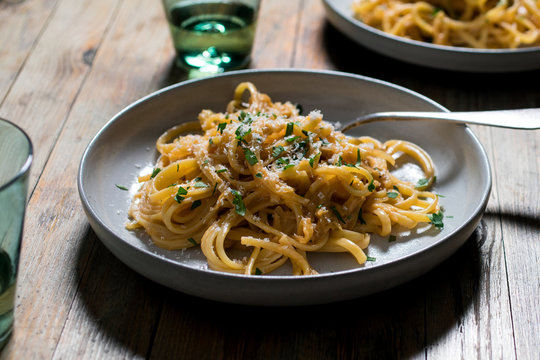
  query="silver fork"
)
[{"x": 525, "y": 119}]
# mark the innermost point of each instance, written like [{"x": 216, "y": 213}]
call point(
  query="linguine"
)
[{"x": 276, "y": 185}]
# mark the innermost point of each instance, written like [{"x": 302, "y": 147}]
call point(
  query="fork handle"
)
[{"x": 524, "y": 119}]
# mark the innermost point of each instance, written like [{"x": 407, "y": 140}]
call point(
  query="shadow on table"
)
[
  {"x": 525, "y": 222},
  {"x": 176, "y": 74},
  {"x": 149, "y": 320},
  {"x": 474, "y": 91}
]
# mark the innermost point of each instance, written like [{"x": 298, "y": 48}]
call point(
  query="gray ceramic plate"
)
[
  {"x": 125, "y": 146},
  {"x": 340, "y": 15}
]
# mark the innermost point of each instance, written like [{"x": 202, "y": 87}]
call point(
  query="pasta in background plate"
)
[
  {"x": 482, "y": 24},
  {"x": 263, "y": 181}
]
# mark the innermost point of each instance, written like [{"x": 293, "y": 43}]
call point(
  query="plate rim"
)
[
  {"x": 93, "y": 215},
  {"x": 443, "y": 50}
]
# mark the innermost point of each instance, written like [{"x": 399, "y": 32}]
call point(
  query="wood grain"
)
[
  {"x": 56, "y": 230},
  {"x": 16, "y": 45},
  {"x": 67, "y": 66},
  {"x": 519, "y": 211},
  {"x": 41, "y": 97},
  {"x": 275, "y": 38}
]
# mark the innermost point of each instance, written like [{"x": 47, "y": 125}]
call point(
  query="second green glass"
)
[
  {"x": 15, "y": 160},
  {"x": 212, "y": 36}
]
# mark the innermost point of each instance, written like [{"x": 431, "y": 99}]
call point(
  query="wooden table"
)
[{"x": 67, "y": 66}]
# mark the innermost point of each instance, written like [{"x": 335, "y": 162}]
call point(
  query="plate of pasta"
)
[
  {"x": 241, "y": 188},
  {"x": 473, "y": 36}
]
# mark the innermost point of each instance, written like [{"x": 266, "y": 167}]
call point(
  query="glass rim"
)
[{"x": 26, "y": 166}]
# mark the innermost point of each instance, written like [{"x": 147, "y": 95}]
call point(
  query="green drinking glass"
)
[
  {"x": 212, "y": 36},
  {"x": 15, "y": 159}
]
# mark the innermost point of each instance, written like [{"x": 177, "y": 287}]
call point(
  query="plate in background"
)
[
  {"x": 340, "y": 15},
  {"x": 126, "y": 144}
]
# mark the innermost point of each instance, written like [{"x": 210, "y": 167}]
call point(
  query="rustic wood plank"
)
[
  {"x": 276, "y": 34},
  {"x": 490, "y": 330},
  {"x": 56, "y": 232},
  {"x": 468, "y": 316},
  {"x": 310, "y": 48},
  {"x": 42, "y": 96},
  {"x": 16, "y": 43},
  {"x": 312, "y": 332},
  {"x": 115, "y": 312},
  {"x": 517, "y": 165},
  {"x": 75, "y": 300},
  {"x": 97, "y": 325}
]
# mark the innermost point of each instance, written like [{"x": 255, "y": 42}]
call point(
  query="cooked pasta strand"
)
[
  {"x": 483, "y": 24},
  {"x": 261, "y": 185}
]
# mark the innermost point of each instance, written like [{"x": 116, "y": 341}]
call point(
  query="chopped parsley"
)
[
  {"x": 360, "y": 218},
  {"x": 210, "y": 141},
  {"x": 259, "y": 175},
  {"x": 245, "y": 117},
  {"x": 422, "y": 183},
  {"x": 392, "y": 238},
  {"x": 300, "y": 109},
  {"x": 277, "y": 150},
  {"x": 291, "y": 138},
  {"x": 369, "y": 258},
  {"x": 437, "y": 220},
  {"x": 195, "y": 204},
  {"x": 371, "y": 186},
  {"x": 181, "y": 191},
  {"x": 312, "y": 159},
  {"x": 302, "y": 144},
  {"x": 221, "y": 127},
  {"x": 241, "y": 133},
  {"x": 155, "y": 172},
  {"x": 238, "y": 203},
  {"x": 288, "y": 166},
  {"x": 283, "y": 161},
  {"x": 250, "y": 157},
  {"x": 290, "y": 129},
  {"x": 192, "y": 240},
  {"x": 213, "y": 191},
  {"x": 220, "y": 171},
  {"x": 340, "y": 161},
  {"x": 338, "y": 215},
  {"x": 121, "y": 187},
  {"x": 358, "y": 157},
  {"x": 392, "y": 194}
]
